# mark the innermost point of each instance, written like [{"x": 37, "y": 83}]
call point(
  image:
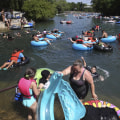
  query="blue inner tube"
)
[
  {"x": 31, "y": 24},
  {"x": 81, "y": 47},
  {"x": 39, "y": 43},
  {"x": 109, "y": 39},
  {"x": 118, "y": 22},
  {"x": 59, "y": 35},
  {"x": 41, "y": 38},
  {"x": 51, "y": 36}
]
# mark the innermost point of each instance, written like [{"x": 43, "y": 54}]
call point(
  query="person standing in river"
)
[
  {"x": 80, "y": 79},
  {"x": 28, "y": 88}
]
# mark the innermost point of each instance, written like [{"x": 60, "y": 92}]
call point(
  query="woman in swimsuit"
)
[
  {"x": 28, "y": 88},
  {"x": 80, "y": 78}
]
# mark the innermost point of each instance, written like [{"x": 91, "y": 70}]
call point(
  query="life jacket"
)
[
  {"x": 24, "y": 86},
  {"x": 79, "y": 40},
  {"x": 97, "y": 27},
  {"x": 15, "y": 56},
  {"x": 86, "y": 33},
  {"x": 91, "y": 38}
]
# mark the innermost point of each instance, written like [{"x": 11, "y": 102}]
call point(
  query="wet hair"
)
[
  {"x": 16, "y": 49},
  {"x": 78, "y": 62},
  {"x": 30, "y": 72},
  {"x": 45, "y": 74}
]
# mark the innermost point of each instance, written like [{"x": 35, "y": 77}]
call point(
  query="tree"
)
[
  {"x": 61, "y": 5},
  {"x": 107, "y": 7},
  {"x": 80, "y": 6},
  {"x": 39, "y": 9}
]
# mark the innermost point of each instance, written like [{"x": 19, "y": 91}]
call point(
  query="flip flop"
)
[{"x": 4, "y": 68}]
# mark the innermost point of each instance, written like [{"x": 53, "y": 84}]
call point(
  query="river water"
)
[{"x": 57, "y": 57}]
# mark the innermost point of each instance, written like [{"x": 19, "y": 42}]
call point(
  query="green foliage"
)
[
  {"x": 107, "y": 7},
  {"x": 76, "y": 6},
  {"x": 61, "y": 5},
  {"x": 11, "y": 4},
  {"x": 39, "y": 9}
]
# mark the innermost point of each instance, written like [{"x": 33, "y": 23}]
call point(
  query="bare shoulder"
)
[
  {"x": 33, "y": 84},
  {"x": 87, "y": 73},
  {"x": 88, "y": 76}
]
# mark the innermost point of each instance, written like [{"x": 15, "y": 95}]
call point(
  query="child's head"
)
[
  {"x": 29, "y": 73},
  {"x": 93, "y": 69}
]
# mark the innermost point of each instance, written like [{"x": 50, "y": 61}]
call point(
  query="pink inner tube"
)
[{"x": 100, "y": 104}]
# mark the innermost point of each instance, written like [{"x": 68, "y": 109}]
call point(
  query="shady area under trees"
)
[{"x": 45, "y": 9}]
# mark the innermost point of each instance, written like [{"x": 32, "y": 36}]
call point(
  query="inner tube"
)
[
  {"x": 30, "y": 24},
  {"x": 101, "y": 104},
  {"x": 101, "y": 48},
  {"x": 68, "y": 22},
  {"x": 27, "y": 26},
  {"x": 38, "y": 75},
  {"x": 109, "y": 39},
  {"x": 118, "y": 22},
  {"x": 59, "y": 35},
  {"x": 62, "y": 22},
  {"x": 39, "y": 43},
  {"x": 50, "y": 36},
  {"x": 27, "y": 60},
  {"x": 81, "y": 47}
]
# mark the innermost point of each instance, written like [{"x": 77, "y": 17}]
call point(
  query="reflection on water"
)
[{"x": 57, "y": 57}]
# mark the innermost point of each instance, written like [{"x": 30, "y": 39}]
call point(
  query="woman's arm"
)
[
  {"x": 89, "y": 79},
  {"x": 41, "y": 85},
  {"x": 84, "y": 63},
  {"x": 66, "y": 71}
]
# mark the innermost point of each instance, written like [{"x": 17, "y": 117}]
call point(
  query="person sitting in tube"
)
[
  {"x": 92, "y": 39},
  {"x": 16, "y": 57},
  {"x": 100, "y": 43},
  {"x": 93, "y": 70},
  {"x": 80, "y": 41},
  {"x": 35, "y": 38},
  {"x": 44, "y": 81}
]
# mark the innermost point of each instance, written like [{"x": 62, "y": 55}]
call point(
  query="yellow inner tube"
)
[{"x": 38, "y": 75}]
